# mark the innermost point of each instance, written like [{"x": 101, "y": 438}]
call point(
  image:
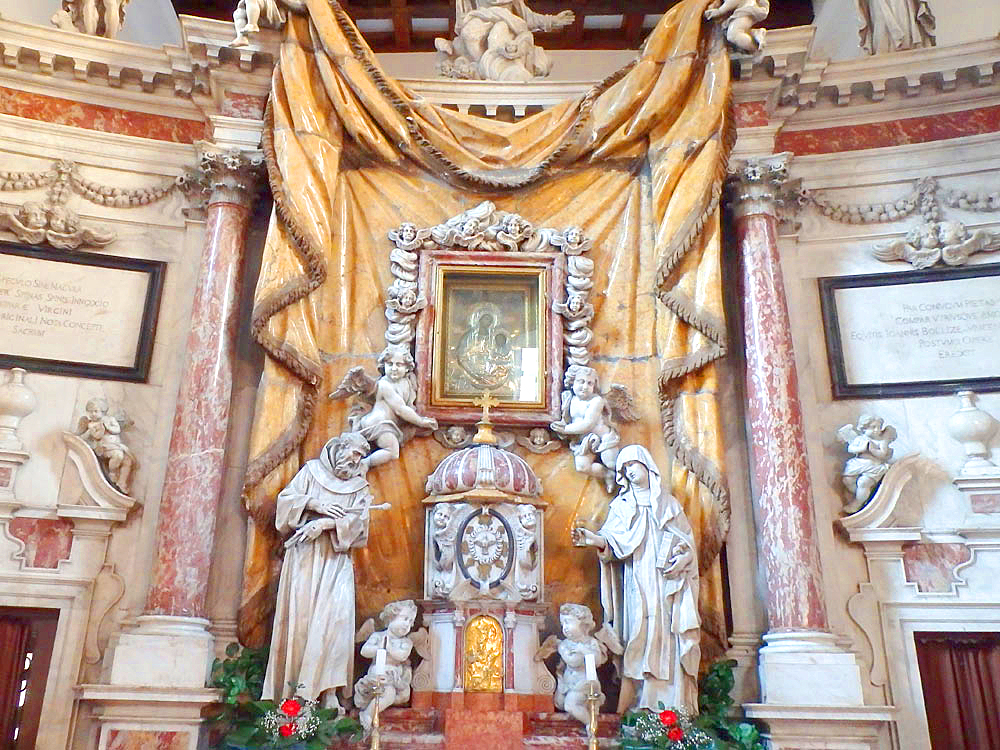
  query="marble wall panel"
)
[
  {"x": 133, "y": 739},
  {"x": 96, "y": 117}
]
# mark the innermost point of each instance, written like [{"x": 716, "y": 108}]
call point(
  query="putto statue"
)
[
  {"x": 102, "y": 431},
  {"x": 649, "y": 587},
  {"x": 588, "y": 421},
  {"x": 398, "y": 642},
  {"x": 494, "y": 41},
  {"x": 868, "y": 444},
  {"x": 324, "y": 511},
  {"x": 391, "y": 418},
  {"x": 579, "y": 640},
  {"x": 743, "y": 15},
  {"x": 247, "y": 18}
]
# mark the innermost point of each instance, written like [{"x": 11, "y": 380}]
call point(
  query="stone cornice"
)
[{"x": 198, "y": 79}]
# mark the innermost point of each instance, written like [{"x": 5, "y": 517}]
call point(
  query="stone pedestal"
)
[
  {"x": 822, "y": 727},
  {"x": 800, "y": 663}
]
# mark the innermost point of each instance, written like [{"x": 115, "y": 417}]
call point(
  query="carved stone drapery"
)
[{"x": 195, "y": 462}]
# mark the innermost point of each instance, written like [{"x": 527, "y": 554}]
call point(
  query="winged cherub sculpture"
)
[
  {"x": 389, "y": 418},
  {"x": 588, "y": 418},
  {"x": 579, "y": 640}
]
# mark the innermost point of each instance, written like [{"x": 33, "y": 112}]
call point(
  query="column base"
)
[
  {"x": 823, "y": 727},
  {"x": 147, "y": 717},
  {"x": 743, "y": 649},
  {"x": 807, "y": 668},
  {"x": 163, "y": 651}
]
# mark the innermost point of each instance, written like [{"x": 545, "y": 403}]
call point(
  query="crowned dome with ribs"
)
[{"x": 483, "y": 467}]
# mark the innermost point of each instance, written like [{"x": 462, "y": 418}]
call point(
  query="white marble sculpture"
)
[
  {"x": 94, "y": 17},
  {"x": 102, "y": 431},
  {"x": 868, "y": 443},
  {"x": 649, "y": 586},
  {"x": 932, "y": 242},
  {"x": 398, "y": 642},
  {"x": 324, "y": 511},
  {"x": 37, "y": 224},
  {"x": 579, "y": 640},
  {"x": 894, "y": 25},
  {"x": 743, "y": 15},
  {"x": 494, "y": 41},
  {"x": 588, "y": 418},
  {"x": 247, "y": 18},
  {"x": 390, "y": 419}
]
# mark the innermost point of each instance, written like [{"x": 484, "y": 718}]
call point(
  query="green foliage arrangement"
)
[
  {"x": 711, "y": 729},
  {"x": 242, "y": 721}
]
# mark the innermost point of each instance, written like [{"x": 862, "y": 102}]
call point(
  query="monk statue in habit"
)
[{"x": 324, "y": 509}]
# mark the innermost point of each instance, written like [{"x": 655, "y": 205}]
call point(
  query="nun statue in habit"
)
[
  {"x": 324, "y": 511},
  {"x": 649, "y": 587}
]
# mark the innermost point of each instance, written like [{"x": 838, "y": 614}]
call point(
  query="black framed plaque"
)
[
  {"x": 918, "y": 333},
  {"x": 82, "y": 314}
]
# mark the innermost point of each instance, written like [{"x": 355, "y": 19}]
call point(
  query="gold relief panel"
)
[{"x": 484, "y": 663}]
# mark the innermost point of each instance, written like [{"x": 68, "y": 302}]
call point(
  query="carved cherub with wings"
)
[
  {"x": 868, "y": 443},
  {"x": 390, "y": 418},
  {"x": 579, "y": 640},
  {"x": 948, "y": 242},
  {"x": 588, "y": 418},
  {"x": 398, "y": 642}
]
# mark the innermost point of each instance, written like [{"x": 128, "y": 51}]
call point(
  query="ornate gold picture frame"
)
[{"x": 490, "y": 326}]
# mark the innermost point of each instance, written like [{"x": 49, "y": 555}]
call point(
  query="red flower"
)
[
  {"x": 668, "y": 718},
  {"x": 287, "y": 730},
  {"x": 675, "y": 735},
  {"x": 291, "y": 707}
]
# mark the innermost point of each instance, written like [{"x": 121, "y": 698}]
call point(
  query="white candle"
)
[
  {"x": 591, "y": 666},
  {"x": 380, "y": 662}
]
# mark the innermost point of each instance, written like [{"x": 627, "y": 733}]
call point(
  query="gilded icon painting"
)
[{"x": 491, "y": 336}]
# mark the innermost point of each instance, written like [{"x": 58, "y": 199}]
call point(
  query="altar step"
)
[{"x": 405, "y": 728}]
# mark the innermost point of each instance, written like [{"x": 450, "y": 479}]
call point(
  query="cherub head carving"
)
[{"x": 396, "y": 362}]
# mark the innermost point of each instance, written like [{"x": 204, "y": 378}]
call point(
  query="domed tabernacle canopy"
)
[{"x": 484, "y": 472}]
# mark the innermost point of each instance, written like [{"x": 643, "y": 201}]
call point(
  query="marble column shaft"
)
[
  {"x": 195, "y": 462},
  {"x": 785, "y": 516}
]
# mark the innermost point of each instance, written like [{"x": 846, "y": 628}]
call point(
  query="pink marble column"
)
[
  {"x": 195, "y": 461},
  {"x": 786, "y": 522}
]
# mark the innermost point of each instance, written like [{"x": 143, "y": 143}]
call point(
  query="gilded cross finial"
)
[{"x": 485, "y": 432}]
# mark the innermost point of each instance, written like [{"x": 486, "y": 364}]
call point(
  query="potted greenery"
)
[
  {"x": 710, "y": 729},
  {"x": 242, "y": 721}
]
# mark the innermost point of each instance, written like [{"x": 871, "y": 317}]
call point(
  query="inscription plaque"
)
[
  {"x": 73, "y": 313},
  {"x": 915, "y": 333}
]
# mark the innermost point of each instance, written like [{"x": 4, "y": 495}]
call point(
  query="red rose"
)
[
  {"x": 287, "y": 730},
  {"x": 668, "y": 718},
  {"x": 291, "y": 707},
  {"x": 675, "y": 735}
]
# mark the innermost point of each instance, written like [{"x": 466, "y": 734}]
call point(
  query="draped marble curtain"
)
[{"x": 638, "y": 163}]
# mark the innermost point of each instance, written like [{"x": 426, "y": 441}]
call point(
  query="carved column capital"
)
[
  {"x": 759, "y": 185},
  {"x": 230, "y": 176}
]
